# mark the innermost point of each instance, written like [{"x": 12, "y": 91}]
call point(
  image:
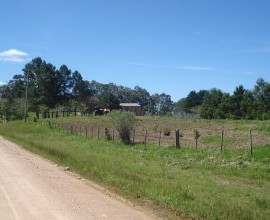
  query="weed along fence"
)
[
  {"x": 137, "y": 135},
  {"x": 220, "y": 139}
]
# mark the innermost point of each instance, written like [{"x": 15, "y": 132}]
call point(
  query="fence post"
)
[
  {"x": 196, "y": 136},
  {"x": 222, "y": 139},
  {"x": 49, "y": 123},
  {"x": 113, "y": 134},
  {"x": 86, "y": 132},
  {"x": 177, "y": 137},
  {"x": 133, "y": 137},
  {"x": 159, "y": 138},
  {"x": 98, "y": 131},
  {"x": 71, "y": 129},
  {"x": 251, "y": 144},
  {"x": 145, "y": 137}
]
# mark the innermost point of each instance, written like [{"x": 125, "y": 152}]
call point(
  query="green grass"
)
[
  {"x": 236, "y": 133},
  {"x": 203, "y": 184}
]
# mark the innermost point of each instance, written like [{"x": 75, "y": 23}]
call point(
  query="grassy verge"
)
[{"x": 188, "y": 183}]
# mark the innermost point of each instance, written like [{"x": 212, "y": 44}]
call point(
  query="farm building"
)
[{"x": 132, "y": 107}]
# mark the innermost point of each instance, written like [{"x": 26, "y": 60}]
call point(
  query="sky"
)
[{"x": 170, "y": 46}]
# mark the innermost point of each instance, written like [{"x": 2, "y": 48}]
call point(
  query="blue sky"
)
[{"x": 171, "y": 46}]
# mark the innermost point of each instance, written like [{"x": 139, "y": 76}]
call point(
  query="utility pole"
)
[{"x": 26, "y": 97}]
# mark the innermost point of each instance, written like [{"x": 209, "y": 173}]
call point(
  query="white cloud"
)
[
  {"x": 2, "y": 83},
  {"x": 190, "y": 68},
  {"x": 14, "y": 56}
]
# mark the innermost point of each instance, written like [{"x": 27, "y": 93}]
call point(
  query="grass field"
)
[
  {"x": 200, "y": 184},
  {"x": 236, "y": 133}
]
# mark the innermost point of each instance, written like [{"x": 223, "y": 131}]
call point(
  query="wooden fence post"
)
[
  {"x": 251, "y": 144},
  {"x": 196, "y": 137},
  {"x": 133, "y": 136},
  {"x": 145, "y": 137},
  {"x": 222, "y": 140},
  {"x": 159, "y": 138},
  {"x": 71, "y": 129},
  {"x": 98, "y": 131},
  {"x": 177, "y": 137},
  {"x": 49, "y": 123},
  {"x": 86, "y": 132},
  {"x": 113, "y": 134}
]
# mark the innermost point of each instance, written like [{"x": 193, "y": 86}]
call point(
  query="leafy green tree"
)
[
  {"x": 43, "y": 83},
  {"x": 65, "y": 83},
  {"x": 262, "y": 96},
  {"x": 124, "y": 94},
  {"x": 165, "y": 104},
  {"x": 14, "y": 89},
  {"x": 247, "y": 106},
  {"x": 110, "y": 101},
  {"x": 191, "y": 102},
  {"x": 225, "y": 107},
  {"x": 210, "y": 107},
  {"x": 141, "y": 96},
  {"x": 237, "y": 99},
  {"x": 81, "y": 89},
  {"x": 194, "y": 99},
  {"x": 5, "y": 108}
]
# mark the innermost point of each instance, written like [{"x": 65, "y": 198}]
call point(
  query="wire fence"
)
[{"x": 220, "y": 139}]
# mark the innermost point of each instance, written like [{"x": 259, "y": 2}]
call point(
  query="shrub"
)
[
  {"x": 167, "y": 132},
  {"x": 108, "y": 135},
  {"x": 124, "y": 122}
]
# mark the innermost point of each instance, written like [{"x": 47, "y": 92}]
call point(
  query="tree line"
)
[
  {"x": 49, "y": 88},
  {"x": 46, "y": 87},
  {"x": 242, "y": 104}
]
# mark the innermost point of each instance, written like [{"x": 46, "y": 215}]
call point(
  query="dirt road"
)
[{"x": 34, "y": 188}]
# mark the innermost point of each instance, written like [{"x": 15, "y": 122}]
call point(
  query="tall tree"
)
[
  {"x": 247, "y": 106},
  {"x": 161, "y": 104},
  {"x": 43, "y": 83},
  {"x": 210, "y": 107},
  {"x": 65, "y": 84},
  {"x": 81, "y": 89},
  {"x": 237, "y": 99},
  {"x": 108, "y": 100},
  {"x": 262, "y": 96}
]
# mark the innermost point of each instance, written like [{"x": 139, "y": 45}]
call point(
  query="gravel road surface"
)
[{"x": 34, "y": 188}]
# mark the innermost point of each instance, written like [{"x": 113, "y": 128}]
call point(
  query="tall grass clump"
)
[{"x": 124, "y": 122}]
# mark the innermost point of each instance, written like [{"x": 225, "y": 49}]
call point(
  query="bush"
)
[
  {"x": 167, "y": 132},
  {"x": 124, "y": 122},
  {"x": 108, "y": 135}
]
